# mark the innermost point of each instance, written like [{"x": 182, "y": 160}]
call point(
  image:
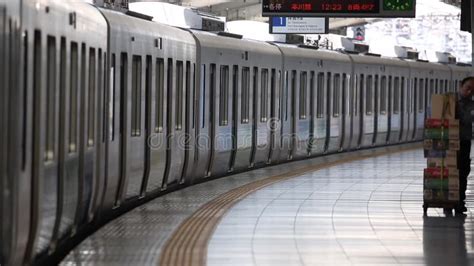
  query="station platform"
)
[{"x": 358, "y": 208}]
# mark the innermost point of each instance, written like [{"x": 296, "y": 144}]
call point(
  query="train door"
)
[
  {"x": 261, "y": 134},
  {"x": 275, "y": 122},
  {"x": 147, "y": 124},
  {"x": 368, "y": 121},
  {"x": 334, "y": 112},
  {"x": 190, "y": 124},
  {"x": 221, "y": 128},
  {"x": 300, "y": 116},
  {"x": 203, "y": 122},
  {"x": 381, "y": 111},
  {"x": 347, "y": 105},
  {"x": 395, "y": 111},
  {"x": 175, "y": 129},
  {"x": 319, "y": 122},
  {"x": 355, "y": 100}
]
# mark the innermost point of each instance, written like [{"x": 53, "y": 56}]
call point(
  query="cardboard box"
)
[
  {"x": 438, "y": 123},
  {"x": 442, "y": 133},
  {"x": 441, "y": 184},
  {"x": 441, "y": 173},
  {"x": 450, "y": 160},
  {"x": 443, "y": 106},
  {"x": 439, "y": 144}
]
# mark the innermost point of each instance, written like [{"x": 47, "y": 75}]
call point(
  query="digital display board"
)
[
  {"x": 299, "y": 25},
  {"x": 339, "y": 8}
]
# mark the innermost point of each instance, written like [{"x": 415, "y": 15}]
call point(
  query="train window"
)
[
  {"x": 344, "y": 94},
  {"x": 320, "y": 97},
  {"x": 195, "y": 106},
  {"x": 112, "y": 99},
  {"x": 264, "y": 96},
  {"x": 50, "y": 92},
  {"x": 353, "y": 96},
  {"x": 102, "y": 86},
  {"x": 91, "y": 98},
  {"x": 73, "y": 98},
  {"x": 303, "y": 97},
  {"x": 336, "y": 95},
  {"x": 328, "y": 93},
  {"x": 403, "y": 96},
  {"x": 311, "y": 93},
  {"x": 359, "y": 96},
  {"x": 431, "y": 90},
  {"x": 159, "y": 91},
  {"x": 136, "y": 94},
  {"x": 284, "y": 96},
  {"x": 245, "y": 95},
  {"x": 25, "y": 98},
  {"x": 123, "y": 87},
  {"x": 383, "y": 95},
  {"x": 179, "y": 94},
  {"x": 368, "y": 96},
  {"x": 148, "y": 82},
  {"x": 224, "y": 96},
  {"x": 420, "y": 95},
  {"x": 396, "y": 95},
  {"x": 272, "y": 93},
  {"x": 235, "y": 87},
  {"x": 188, "y": 99},
  {"x": 446, "y": 86},
  {"x": 255, "y": 91},
  {"x": 203, "y": 95}
]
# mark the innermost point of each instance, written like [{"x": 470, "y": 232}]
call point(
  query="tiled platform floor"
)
[{"x": 365, "y": 212}]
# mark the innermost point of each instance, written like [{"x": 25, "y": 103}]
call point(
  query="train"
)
[{"x": 102, "y": 110}]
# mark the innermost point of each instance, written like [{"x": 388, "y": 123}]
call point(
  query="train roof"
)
[
  {"x": 233, "y": 42},
  {"x": 296, "y": 51},
  {"x": 142, "y": 27}
]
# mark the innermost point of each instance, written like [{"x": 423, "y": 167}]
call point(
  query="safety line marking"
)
[{"x": 188, "y": 244}]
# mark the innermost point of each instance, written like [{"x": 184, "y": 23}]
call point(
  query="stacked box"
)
[{"x": 441, "y": 143}]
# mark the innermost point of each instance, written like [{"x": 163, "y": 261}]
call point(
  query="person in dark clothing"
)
[{"x": 464, "y": 108}]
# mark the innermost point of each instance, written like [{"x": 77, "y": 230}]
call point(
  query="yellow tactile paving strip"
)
[{"x": 187, "y": 246}]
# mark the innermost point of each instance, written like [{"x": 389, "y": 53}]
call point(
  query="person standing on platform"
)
[{"x": 465, "y": 106}]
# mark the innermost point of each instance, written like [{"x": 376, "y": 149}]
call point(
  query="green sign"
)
[{"x": 398, "y": 5}]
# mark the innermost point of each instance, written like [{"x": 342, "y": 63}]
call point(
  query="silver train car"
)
[{"x": 101, "y": 111}]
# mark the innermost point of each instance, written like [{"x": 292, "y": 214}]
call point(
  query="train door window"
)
[
  {"x": 187, "y": 97},
  {"x": 328, "y": 93},
  {"x": 353, "y": 96},
  {"x": 446, "y": 86},
  {"x": 336, "y": 95},
  {"x": 224, "y": 96},
  {"x": 245, "y": 105},
  {"x": 396, "y": 95},
  {"x": 292, "y": 92},
  {"x": 50, "y": 95},
  {"x": 420, "y": 95},
  {"x": 112, "y": 98},
  {"x": 102, "y": 86},
  {"x": 235, "y": 89},
  {"x": 360, "y": 93},
  {"x": 272, "y": 92},
  {"x": 368, "y": 95},
  {"x": 179, "y": 94},
  {"x": 311, "y": 93},
  {"x": 264, "y": 95},
  {"x": 91, "y": 114},
  {"x": 383, "y": 95},
  {"x": 344, "y": 94},
  {"x": 431, "y": 90},
  {"x": 73, "y": 98},
  {"x": 403, "y": 96},
  {"x": 195, "y": 106},
  {"x": 203, "y": 95},
  {"x": 159, "y": 90},
  {"x": 123, "y": 87},
  {"x": 136, "y": 94},
  {"x": 148, "y": 78},
  {"x": 285, "y": 96},
  {"x": 303, "y": 91},
  {"x": 62, "y": 73},
  {"x": 320, "y": 96},
  {"x": 170, "y": 89},
  {"x": 25, "y": 97}
]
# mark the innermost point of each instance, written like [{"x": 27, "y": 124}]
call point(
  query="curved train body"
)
[{"x": 100, "y": 111}]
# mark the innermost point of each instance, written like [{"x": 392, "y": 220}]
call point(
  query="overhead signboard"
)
[
  {"x": 339, "y": 8},
  {"x": 299, "y": 25}
]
